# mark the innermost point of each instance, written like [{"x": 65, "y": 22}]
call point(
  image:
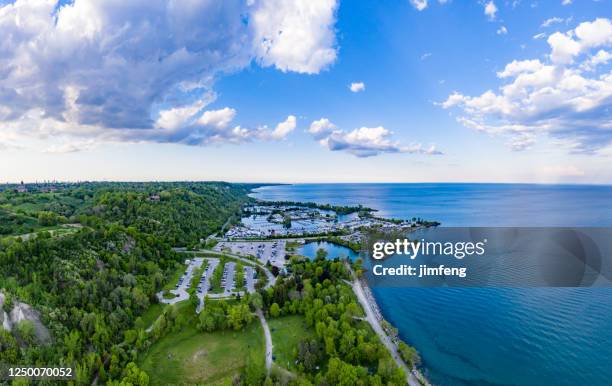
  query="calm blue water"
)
[
  {"x": 333, "y": 250},
  {"x": 490, "y": 336}
]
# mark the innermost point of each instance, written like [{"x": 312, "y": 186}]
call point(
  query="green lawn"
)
[
  {"x": 193, "y": 357},
  {"x": 287, "y": 332},
  {"x": 175, "y": 278},
  {"x": 215, "y": 280},
  {"x": 151, "y": 314}
]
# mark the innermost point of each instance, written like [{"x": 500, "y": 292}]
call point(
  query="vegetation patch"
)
[
  {"x": 287, "y": 333},
  {"x": 194, "y": 357}
]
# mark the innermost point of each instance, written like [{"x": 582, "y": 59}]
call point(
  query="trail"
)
[
  {"x": 411, "y": 375},
  {"x": 268, "y": 336}
]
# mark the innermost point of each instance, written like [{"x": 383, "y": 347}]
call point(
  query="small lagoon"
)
[{"x": 333, "y": 250}]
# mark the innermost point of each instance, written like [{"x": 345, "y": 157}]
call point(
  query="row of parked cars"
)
[{"x": 224, "y": 277}]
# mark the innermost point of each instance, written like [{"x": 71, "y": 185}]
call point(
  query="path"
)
[
  {"x": 268, "y": 335},
  {"x": 358, "y": 289}
]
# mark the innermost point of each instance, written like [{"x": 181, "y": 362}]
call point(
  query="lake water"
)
[{"x": 490, "y": 336}]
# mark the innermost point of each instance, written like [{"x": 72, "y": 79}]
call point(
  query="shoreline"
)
[
  {"x": 371, "y": 300},
  {"x": 374, "y": 317}
]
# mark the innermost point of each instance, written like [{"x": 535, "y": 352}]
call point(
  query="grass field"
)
[
  {"x": 287, "y": 332},
  {"x": 193, "y": 357},
  {"x": 151, "y": 314},
  {"x": 171, "y": 284}
]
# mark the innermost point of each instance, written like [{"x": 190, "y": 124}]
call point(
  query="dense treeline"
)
[
  {"x": 342, "y": 210},
  {"x": 92, "y": 285},
  {"x": 345, "y": 351},
  {"x": 180, "y": 212},
  {"x": 180, "y": 215}
]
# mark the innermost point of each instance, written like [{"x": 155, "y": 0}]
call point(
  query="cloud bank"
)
[
  {"x": 362, "y": 142},
  {"x": 567, "y": 96},
  {"x": 139, "y": 71}
]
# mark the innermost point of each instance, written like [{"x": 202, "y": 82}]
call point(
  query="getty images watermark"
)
[
  {"x": 412, "y": 249},
  {"x": 491, "y": 257}
]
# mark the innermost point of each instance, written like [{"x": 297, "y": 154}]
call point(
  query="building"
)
[{"x": 22, "y": 188}]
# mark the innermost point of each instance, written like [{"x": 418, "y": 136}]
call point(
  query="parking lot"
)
[
  {"x": 227, "y": 280},
  {"x": 272, "y": 251},
  {"x": 183, "y": 283},
  {"x": 204, "y": 284},
  {"x": 249, "y": 277}
]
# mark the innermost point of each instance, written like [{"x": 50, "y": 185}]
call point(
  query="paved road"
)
[
  {"x": 411, "y": 378},
  {"x": 268, "y": 335}
]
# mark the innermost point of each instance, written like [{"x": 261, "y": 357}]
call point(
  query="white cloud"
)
[
  {"x": 567, "y": 97},
  {"x": 539, "y": 36},
  {"x": 144, "y": 70},
  {"x": 502, "y": 30},
  {"x": 566, "y": 2},
  {"x": 419, "y": 4},
  {"x": 364, "y": 141},
  {"x": 357, "y": 87},
  {"x": 295, "y": 35},
  {"x": 217, "y": 118},
  {"x": 490, "y": 10},
  {"x": 284, "y": 128},
  {"x": 321, "y": 128},
  {"x": 565, "y": 46},
  {"x": 600, "y": 58},
  {"x": 517, "y": 67},
  {"x": 551, "y": 21},
  {"x": 425, "y": 55}
]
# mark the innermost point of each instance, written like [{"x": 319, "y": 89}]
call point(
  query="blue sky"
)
[{"x": 476, "y": 91}]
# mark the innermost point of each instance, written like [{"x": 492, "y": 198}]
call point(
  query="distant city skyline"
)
[{"x": 277, "y": 91}]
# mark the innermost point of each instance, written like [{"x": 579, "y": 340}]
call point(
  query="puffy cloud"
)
[
  {"x": 364, "y": 141},
  {"x": 357, "y": 87},
  {"x": 490, "y": 10},
  {"x": 600, "y": 58},
  {"x": 191, "y": 126},
  {"x": 567, "y": 97},
  {"x": 295, "y": 35},
  {"x": 502, "y": 30},
  {"x": 565, "y": 46},
  {"x": 321, "y": 128},
  {"x": 517, "y": 67},
  {"x": 284, "y": 128},
  {"x": 566, "y": 2},
  {"x": 144, "y": 70},
  {"x": 217, "y": 118},
  {"x": 420, "y": 4}
]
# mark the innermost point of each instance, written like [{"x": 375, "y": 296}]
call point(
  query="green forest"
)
[{"x": 89, "y": 257}]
